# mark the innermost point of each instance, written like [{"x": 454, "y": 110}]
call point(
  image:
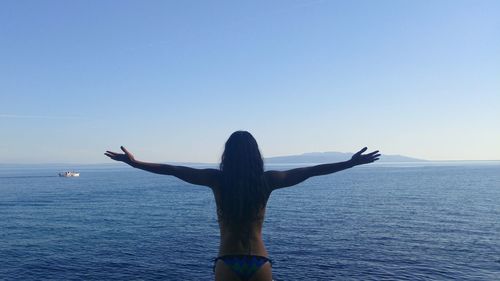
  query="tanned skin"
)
[{"x": 230, "y": 242}]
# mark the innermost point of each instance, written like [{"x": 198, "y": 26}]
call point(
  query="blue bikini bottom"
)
[{"x": 244, "y": 266}]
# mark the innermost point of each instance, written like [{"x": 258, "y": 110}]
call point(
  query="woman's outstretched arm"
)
[
  {"x": 280, "y": 179},
  {"x": 206, "y": 177}
]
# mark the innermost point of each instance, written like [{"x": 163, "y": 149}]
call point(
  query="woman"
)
[{"x": 241, "y": 189}]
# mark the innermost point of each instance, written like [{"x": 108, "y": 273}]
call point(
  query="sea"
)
[{"x": 399, "y": 221}]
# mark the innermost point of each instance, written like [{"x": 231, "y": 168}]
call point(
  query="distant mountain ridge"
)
[
  {"x": 332, "y": 156},
  {"x": 311, "y": 157}
]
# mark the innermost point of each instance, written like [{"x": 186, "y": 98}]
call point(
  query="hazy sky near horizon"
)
[{"x": 171, "y": 80}]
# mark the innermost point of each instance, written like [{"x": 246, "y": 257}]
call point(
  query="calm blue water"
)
[{"x": 368, "y": 223}]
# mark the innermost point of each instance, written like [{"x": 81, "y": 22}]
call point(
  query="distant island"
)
[
  {"x": 305, "y": 158},
  {"x": 329, "y": 157}
]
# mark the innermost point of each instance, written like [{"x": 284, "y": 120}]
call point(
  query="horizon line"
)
[{"x": 216, "y": 163}]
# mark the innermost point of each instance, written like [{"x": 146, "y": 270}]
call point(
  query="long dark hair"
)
[{"x": 244, "y": 191}]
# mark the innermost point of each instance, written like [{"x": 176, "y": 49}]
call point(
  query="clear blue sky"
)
[{"x": 172, "y": 79}]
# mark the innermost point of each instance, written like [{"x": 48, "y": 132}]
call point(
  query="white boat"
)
[{"x": 69, "y": 174}]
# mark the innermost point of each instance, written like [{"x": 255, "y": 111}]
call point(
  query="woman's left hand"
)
[{"x": 126, "y": 157}]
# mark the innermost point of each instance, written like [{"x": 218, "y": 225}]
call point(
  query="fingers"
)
[
  {"x": 369, "y": 157},
  {"x": 362, "y": 150},
  {"x": 119, "y": 156},
  {"x": 373, "y": 154},
  {"x": 112, "y": 156},
  {"x": 124, "y": 150}
]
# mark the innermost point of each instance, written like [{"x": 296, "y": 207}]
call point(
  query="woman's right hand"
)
[
  {"x": 126, "y": 157},
  {"x": 359, "y": 159}
]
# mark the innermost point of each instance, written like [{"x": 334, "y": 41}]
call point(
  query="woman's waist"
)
[{"x": 236, "y": 246}]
